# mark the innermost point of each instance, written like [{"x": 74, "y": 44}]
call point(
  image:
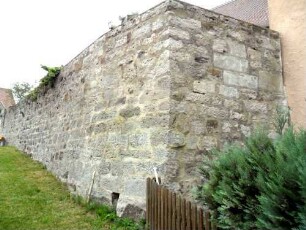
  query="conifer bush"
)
[{"x": 261, "y": 185}]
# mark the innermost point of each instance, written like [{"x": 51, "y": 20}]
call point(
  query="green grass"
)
[{"x": 32, "y": 198}]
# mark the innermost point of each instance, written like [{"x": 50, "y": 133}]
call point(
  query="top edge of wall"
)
[{"x": 131, "y": 21}]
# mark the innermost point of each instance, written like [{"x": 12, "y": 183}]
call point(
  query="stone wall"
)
[
  {"x": 158, "y": 91},
  {"x": 226, "y": 79}
]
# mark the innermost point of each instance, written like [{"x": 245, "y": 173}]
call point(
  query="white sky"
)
[{"x": 52, "y": 32}]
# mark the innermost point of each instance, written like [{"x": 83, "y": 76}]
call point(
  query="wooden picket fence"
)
[{"x": 167, "y": 210}]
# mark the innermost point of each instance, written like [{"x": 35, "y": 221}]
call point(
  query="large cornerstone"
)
[{"x": 160, "y": 90}]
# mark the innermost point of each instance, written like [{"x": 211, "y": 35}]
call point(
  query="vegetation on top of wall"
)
[
  {"x": 45, "y": 83},
  {"x": 259, "y": 186}
]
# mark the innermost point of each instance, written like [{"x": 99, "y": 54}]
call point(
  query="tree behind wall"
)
[{"x": 20, "y": 90}]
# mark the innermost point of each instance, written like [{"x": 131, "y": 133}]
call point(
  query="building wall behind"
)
[
  {"x": 159, "y": 91},
  {"x": 289, "y": 19}
]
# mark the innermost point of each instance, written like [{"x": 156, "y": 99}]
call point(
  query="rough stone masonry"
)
[{"x": 159, "y": 91}]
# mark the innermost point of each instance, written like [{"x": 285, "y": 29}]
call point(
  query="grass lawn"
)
[{"x": 32, "y": 198}]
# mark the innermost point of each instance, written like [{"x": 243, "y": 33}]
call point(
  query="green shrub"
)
[
  {"x": 45, "y": 83},
  {"x": 259, "y": 186}
]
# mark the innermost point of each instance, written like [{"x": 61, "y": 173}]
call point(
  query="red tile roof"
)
[
  {"x": 6, "y": 97},
  {"x": 252, "y": 11}
]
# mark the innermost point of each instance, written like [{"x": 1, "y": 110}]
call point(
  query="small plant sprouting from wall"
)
[
  {"x": 46, "y": 82},
  {"x": 282, "y": 118}
]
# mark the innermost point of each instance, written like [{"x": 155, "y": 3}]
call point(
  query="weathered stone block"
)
[
  {"x": 214, "y": 112},
  {"x": 137, "y": 140},
  {"x": 233, "y": 105},
  {"x": 186, "y": 23},
  {"x": 141, "y": 32},
  {"x": 178, "y": 33},
  {"x": 170, "y": 43},
  {"x": 119, "y": 168},
  {"x": 197, "y": 127},
  {"x": 191, "y": 142},
  {"x": 249, "y": 93},
  {"x": 204, "y": 86},
  {"x": 199, "y": 98},
  {"x": 230, "y": 62},
  {"x": 240, "y": 79},
  {"x": 207, "y": 143},
  {"x": 255, "y": 58},
  {"x": 237, "y": 116},
  {"x": 256, "y": 107},
  {"x": 157, "y": 24},
  {"x": 245, "y": 130},
  {"x": 270, "y": 81},
  {"x": 121, "y": 41},
  {"x": 129, "y": 207},
  {"x": 176, "y": 139},
  {"x": 220, "y": 46},
  {"x": 230, "y": 92},
  {"x": 156, "y": 120},
  {"x": 226, "y": 127},
  {"x": 237, "y": 49},
  {"x": 130, "y": 112},
  {"x": 135, "y": 187}
]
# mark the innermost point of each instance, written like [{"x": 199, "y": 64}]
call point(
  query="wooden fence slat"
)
[
  {"x": 178, "y": 213},
  {"x": 194, "y": 216},
  {"x": 170, "y": 210},
  {"x": 148, "y": 200},
  {"x": 183, "y": 214},
  {"x": 207, "y": 220},
  {"x": 153, "y": 206},
  {"x": 149, "y": 221},
  {"x": 158, "y": 207},
  {"x": 173, "y": 211},
  {"x": 200, "y": 219},
  {"x": 162, "y": 211},
  {"x": 166, "y": 208},
  {"x": 188, "y": 215}
]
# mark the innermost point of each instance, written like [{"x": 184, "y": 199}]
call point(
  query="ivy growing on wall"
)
[{"x": 46, "y": 82}]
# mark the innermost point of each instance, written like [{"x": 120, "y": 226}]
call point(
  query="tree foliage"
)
[
  {"x": 21, "y": 90},
  {"x": 259, "y": 186}
]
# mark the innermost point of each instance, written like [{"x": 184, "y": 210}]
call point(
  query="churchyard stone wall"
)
[{"x": 159, "y": 91}]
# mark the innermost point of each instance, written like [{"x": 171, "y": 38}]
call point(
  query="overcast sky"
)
[{"x": 52, "y": 32}]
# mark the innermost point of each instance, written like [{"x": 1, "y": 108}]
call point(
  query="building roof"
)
[
  {"x": 6, "y": 97},
  {"x": 252, "y": 11}
]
